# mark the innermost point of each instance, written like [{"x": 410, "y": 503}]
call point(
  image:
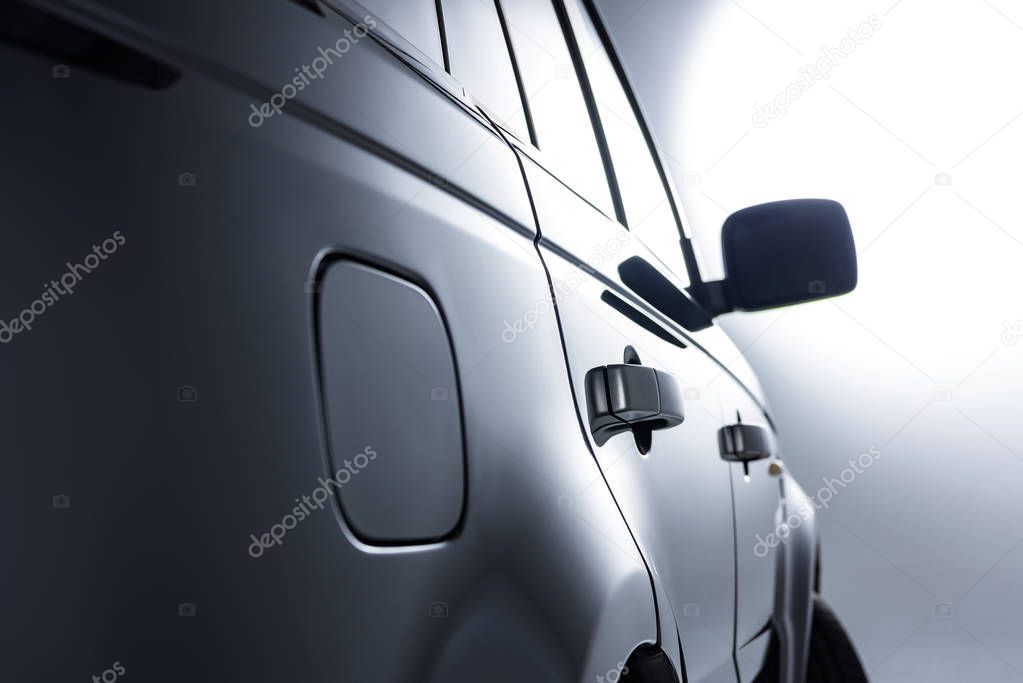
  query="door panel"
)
[
  {"x": 757, "y": 498},
  {"x": 676, "y": 498},
  {"x": 757, "y": 515},
  {"x": 753, "y": 657}
]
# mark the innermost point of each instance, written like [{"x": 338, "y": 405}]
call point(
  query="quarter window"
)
[
  {"x": 648, "y": 211},
  {"x": 480, "y": 60},
  {"x": 415, "y": 20},
  {"x": 564, "y": 132}
]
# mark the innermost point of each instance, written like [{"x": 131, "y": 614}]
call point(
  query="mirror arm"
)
[{"x": 713, "y": 296}]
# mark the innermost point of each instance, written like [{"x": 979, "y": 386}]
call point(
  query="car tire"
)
[{"x": 832, "y": 656}]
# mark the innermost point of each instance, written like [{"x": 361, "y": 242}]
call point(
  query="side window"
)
[
  {"x": 647, "y": 207},
  {"x": 560, "y": 118},
  {"x": 480, "y": 60},
  {"x": 415, "y": 20}
]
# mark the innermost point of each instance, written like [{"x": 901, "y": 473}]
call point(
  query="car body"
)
[{"x": 320, "y": 413}]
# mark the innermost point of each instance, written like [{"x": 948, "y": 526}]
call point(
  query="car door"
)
[
  {"x": 675, "y": 495},
  {"x": 756, "y": 489},
  {"x": 757, "y": 495},
  {"x": 679, "y": 496}
]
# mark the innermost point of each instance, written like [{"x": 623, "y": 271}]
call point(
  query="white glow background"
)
[{"x": 923, "y": 557}]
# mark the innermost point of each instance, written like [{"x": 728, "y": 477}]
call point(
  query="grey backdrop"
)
[{"x": 909, "y": 112}]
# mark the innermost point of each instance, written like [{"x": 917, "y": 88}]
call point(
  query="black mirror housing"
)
[{"x": 787, "y": 252}]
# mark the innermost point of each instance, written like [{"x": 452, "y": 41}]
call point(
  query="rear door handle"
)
[{"x": 632, "y": 397}]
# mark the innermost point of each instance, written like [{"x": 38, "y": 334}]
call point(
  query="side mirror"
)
[{"x": 783, "y": 253}]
